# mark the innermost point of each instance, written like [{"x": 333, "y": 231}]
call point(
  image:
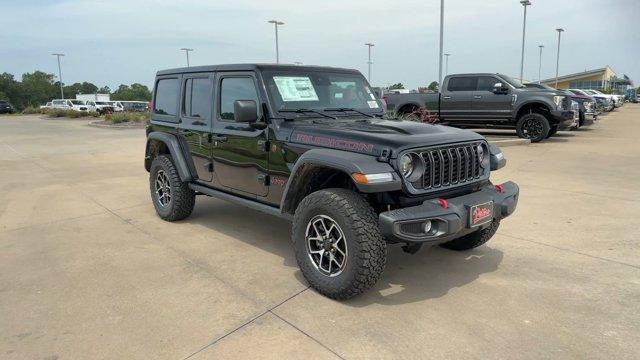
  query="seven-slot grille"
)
[{"x": 450, "y": 165}]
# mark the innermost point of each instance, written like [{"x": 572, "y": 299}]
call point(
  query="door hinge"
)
[
  {"x": 263, "y": 145},
  {"x": 264, "y": 179},
  {"x": 209, "y": 166}
]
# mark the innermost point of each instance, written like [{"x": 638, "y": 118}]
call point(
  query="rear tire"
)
[
  {"x": 474, "y": 239},
  {"x": 533, "y": 126},
  {"x": 172, "y": 198},
  {"x": 343, "y": 262}
]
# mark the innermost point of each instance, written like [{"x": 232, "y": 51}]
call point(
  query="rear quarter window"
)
[{"x": 166, "y": 97}]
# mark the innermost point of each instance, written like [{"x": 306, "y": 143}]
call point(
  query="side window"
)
[
  {"x": 166, "y": 100},
  {"x": 463, "y": 83},
  {"x": 485, "y": 83},
  {"x": 197, "y": 98},
  {"x": 232, "y": 89}
]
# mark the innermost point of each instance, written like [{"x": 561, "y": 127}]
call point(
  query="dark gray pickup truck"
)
[{"x": 490, "y": 100}]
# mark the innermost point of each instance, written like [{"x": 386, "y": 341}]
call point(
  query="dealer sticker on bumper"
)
[{"x": 481, "y": 214}]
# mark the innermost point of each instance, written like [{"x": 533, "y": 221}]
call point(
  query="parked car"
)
[
  {"x": 314, "y": 145},
  {"x": 135, "y": 106},
  {"x": 490, "y": 100},
  {"x": 69, "y": 104},
  {"x": 103, "y": 107},
  {"x": 587, "y": 111},
  {"x": 48, "y": 105},
  {"x": 6, "y": 107},
  {"x": 617, "y": 100},
  {"x": 117, "y": 106},
  {"x": 91, "y": 105},
  {"x": 603, "y": 103}
]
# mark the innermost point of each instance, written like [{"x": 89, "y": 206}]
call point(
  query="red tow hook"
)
[
  {"x": 443, "y": 203},
  {"x": 500, "y": 188}
]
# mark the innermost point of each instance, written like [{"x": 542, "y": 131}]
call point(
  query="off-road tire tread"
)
[
  {"x": 183, "y": 198},
  {"x": 358, "y": 214},
  {"x": 533, "y": 114},
  {"x": 472, "y": 240}
]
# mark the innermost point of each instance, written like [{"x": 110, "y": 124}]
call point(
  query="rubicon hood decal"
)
[{"x": 333, "y": 142}]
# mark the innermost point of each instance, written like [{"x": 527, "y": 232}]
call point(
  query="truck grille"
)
[{"x": 449, "y": 166}]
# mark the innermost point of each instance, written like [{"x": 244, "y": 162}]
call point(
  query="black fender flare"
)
[
  {"x": 176, "y": 151},
  {"x": 535, "y": 101},
  {"x": 344, "y": 161},
  {"x": 409, "y": 103}
]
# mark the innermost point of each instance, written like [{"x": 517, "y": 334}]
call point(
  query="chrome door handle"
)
[{"x": 446, "y": 97}]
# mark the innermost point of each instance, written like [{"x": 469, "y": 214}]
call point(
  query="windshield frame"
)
[
  {"x": 513, "y": 82},
  {"x": 306, "y": 108}
]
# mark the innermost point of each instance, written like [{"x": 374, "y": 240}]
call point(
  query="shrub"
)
[
  {"x": 127, "y": 117},
  {"x": 31, "y": 110},
  {"x": 73, "y": 114}
]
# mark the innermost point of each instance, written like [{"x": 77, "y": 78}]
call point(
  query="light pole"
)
[
  {"x": 369, "y": 45},
  {"x": 441, "y": 31},
  {"x": 540, "y": 63},
  {"x": 559, "y": 30},
  {"x": 446, "y": 65},
  {"x": 59, "y": 73},
  {"x": 276, "y": 23},
  {"x": 186, "y": 51},
  {"x": 524, "y": 3}
]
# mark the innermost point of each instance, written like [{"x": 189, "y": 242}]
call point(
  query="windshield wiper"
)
[
  {"x": 344, "y": 110},
  {"x": 302, "y": 111}
]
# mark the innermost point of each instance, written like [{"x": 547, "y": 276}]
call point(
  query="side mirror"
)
[
  {"x": 245, "y": 111},
  {"x": 499, "y": 88}
]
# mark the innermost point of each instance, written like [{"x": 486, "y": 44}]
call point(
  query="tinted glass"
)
[
  {"x": 166, "y": 100},
  {"x": 466, "y": 83},
  {"x": 197, "y": 98},
  {"x": 485, "y": 83},
  {"x": 233, "y": 89}
]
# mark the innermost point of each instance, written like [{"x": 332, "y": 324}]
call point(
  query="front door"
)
[
  {"x": 196, "y": 125},
  {"x": 487, "y": 104},
  {"x": 457, "y": 100},
  {"x": 240, "y": 156}
]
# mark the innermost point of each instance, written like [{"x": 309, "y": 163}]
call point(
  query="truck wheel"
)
[
  {"x": 553, "y": 131},
  {"x": 472, "y": 240},
  {"x": 337, "y": 243},
  {"x": 172, "y": 198},
  {"x": 533, "y": 126}
]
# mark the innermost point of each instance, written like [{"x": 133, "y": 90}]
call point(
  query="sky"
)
[{"x": 111, "y": 42}]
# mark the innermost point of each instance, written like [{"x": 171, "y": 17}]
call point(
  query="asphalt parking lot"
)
[{"x": 87, "y": 270}]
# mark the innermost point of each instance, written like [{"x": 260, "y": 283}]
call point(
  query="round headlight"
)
[
  {"x": 480, "y": 152},
  {"x": 406, "y": 165}
]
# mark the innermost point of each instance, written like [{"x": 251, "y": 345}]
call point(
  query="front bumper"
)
[
  {"x": 562, "y": 115},
  {"x": 406, "y": 224}
]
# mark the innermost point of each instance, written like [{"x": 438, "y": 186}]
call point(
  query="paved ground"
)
[{"x": 88, "y": 271}]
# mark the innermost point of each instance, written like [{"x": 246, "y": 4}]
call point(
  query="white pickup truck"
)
[{"x": 70, "y": 104}]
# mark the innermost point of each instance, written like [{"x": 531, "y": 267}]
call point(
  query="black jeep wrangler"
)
[{"x": 314, "y": 145}]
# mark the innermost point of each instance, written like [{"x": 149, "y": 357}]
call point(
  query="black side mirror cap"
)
[
  {"x": 245, "y": 111},
  {"x": 496, "y": 158}
]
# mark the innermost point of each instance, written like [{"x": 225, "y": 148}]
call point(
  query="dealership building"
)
[{"x": 603, "y": 78}]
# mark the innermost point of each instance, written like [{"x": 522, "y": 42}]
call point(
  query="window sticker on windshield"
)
[
  {"x": 373, "y": 104},
  {"x": 295, "y": 88}
]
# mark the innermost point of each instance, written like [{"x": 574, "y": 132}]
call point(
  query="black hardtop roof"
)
[
  {"x": 476, "y": 74},
  {"x": 252, "y": 67}
]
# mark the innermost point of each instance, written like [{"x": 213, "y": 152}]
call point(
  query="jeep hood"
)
[{"x": 371, "y": 136}]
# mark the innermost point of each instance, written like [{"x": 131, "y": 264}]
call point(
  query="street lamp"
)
[
  {"x": 276, "y": 23},
  {"x": 186, "y": 51},
  {"x": 441, "y": 31},
  {"x": 540, "y": 63},
  {"x": 59, "y": 73},
  {"x": 524, "y": 3},
  {"x": 369, "y": 45},
  {"x": 446, "y": 65},
  {"x": 560, "y": 31}
]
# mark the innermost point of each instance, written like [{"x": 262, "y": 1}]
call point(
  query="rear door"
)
[
  {"x": 486, "y": 103},
  {"x": 456, "y": 100},
  {"x": 196, "y": 121}
]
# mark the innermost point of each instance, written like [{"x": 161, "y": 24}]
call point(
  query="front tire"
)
[
  {"x": 533, "y": 126},
  {"x": 337, "y": 243},
  {"x": 172, "y": 198},
  {"x": 474, "y": 239}
]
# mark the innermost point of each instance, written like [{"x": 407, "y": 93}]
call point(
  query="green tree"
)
[
  {"x": 396, "y": 86},
  {"x": 37, "y": 88},
  {"x": 433, "y": 86},
  {"x": 135, "y": 92},
  {"x": 79, "y": 88},
  {"x": 104, "y": 90}
]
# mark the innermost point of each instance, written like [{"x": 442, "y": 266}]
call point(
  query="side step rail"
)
[{"x": 253, "y": 204}]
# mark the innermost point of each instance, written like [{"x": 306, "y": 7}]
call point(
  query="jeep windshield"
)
[{"x": 307, "y": 93}]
